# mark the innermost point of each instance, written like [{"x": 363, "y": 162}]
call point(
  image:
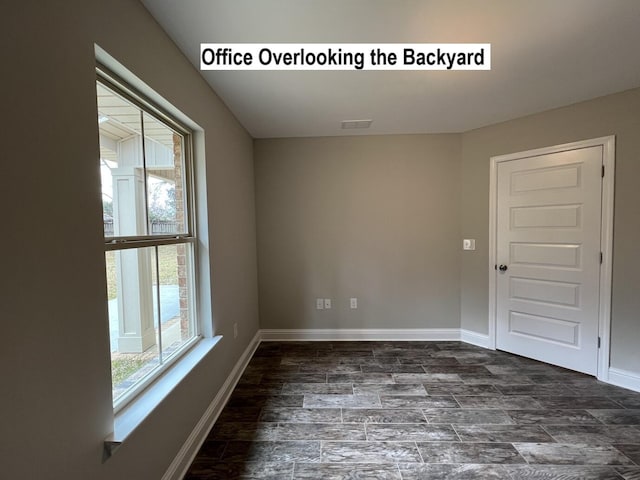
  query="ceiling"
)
[
  {"x": 545, "y": 54},
  {"x": 119, "y": 119}
]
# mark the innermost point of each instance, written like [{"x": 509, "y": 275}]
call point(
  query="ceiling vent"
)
[{"x": 346, "y": 124}]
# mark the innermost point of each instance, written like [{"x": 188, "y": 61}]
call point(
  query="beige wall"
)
[
  {"x": 618, "y": 115},
  {"x": 56, "y": 392},
  {"x": 369, "y": 217}
]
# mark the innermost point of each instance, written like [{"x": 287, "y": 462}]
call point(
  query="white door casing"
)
[{"x": 551, "y": 217}]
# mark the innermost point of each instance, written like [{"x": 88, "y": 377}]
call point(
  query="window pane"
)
[
  {"x": 164, "y": 154},
  {"x": 143, "y": 166},
  {"x": 121, "y": 165},
  {"x": 175, "y": 297},
  {"x": 132, "y": 325}
]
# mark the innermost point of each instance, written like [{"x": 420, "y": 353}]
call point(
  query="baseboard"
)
[
  {"x": 425, "y": 334},
  {"x": 624, "y": 379},
  {"x": 475, "y": 338},
  {"x": 187, "y": 453}
]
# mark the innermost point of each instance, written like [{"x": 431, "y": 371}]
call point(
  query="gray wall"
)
[
  {"x": 371, "y": 217},
  {"x": 382, "y": 218},
  {"x": 56, "y": 392},
  {"x": 618, "y": 115}
]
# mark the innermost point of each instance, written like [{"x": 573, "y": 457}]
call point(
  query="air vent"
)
[{"x": 356, "y": 124}]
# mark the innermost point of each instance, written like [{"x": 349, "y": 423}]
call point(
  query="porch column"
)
[{"x": 136, "y": 326}]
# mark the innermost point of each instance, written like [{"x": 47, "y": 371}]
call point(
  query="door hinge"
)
[
  {"x": 600, "y": 258},
  {"x": 602, "y": 171},
  {"x": 599, "y": 342}
]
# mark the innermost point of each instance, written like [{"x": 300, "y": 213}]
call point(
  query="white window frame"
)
[{"x": 113, "y": 82}]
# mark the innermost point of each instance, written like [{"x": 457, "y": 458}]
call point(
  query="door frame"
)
[{"x": 606, "y": 238}]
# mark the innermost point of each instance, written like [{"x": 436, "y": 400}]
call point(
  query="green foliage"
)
[
  {"x": 167, "y": 261},
  {"x": 124, "y": 366},
  {"x": 112, "y": 290},
  {"x": 107, "y": 207},
  {"x": 162, "y": 202}
]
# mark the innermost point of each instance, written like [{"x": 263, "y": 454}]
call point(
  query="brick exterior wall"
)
[{"x": 181, "y": 249}]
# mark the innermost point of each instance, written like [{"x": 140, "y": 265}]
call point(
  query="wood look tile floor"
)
[{"x": 418, "y": 410}]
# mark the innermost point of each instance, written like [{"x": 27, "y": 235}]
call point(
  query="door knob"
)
[{"x": 502, "y": 268}]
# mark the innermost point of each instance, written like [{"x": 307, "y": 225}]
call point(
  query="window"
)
[{"x": 145, "y": 168}]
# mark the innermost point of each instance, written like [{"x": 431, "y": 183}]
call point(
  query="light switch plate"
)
[{"x": 469, "y": 244}]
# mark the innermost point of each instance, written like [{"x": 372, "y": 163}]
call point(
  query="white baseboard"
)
[
  {"x": 425, "y": 334},
  {"x": 624, "y": 378},
  {"x": 475, "y": 338},
  {"x": 187, "y": 453}
]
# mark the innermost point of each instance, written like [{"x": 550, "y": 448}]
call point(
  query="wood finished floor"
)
[{"x": 418, "y": 410}]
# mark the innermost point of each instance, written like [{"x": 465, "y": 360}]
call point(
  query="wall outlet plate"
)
[
  {"x": 327, "y": 303},
  {"x": 469, "y": 244},
  {"x": 319, "y": 303}
]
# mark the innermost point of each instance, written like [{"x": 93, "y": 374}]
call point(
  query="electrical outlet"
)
[
  {"x": 469, "y": 244},
  {"x": 353, "y": 303},
  {"x": 327, "y": 303},
  {"x": 235, "y": 330},
  {"x": 319, "y": 303}
]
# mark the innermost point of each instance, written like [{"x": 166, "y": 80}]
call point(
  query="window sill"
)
[{"x": 131, "y": 416}]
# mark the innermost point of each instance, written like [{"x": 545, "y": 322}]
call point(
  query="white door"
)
[{"x": 548, "y": 257}]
